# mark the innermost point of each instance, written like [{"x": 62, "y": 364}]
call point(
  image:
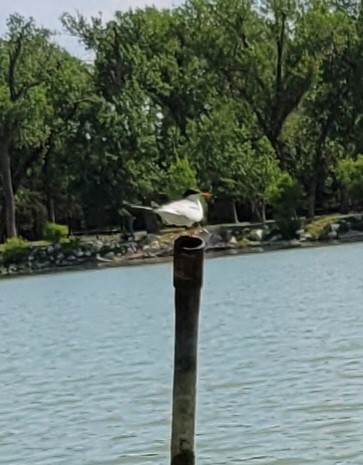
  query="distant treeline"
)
[{"x": 235, "y": 96}]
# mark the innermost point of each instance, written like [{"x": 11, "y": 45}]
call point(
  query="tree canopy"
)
[{"x": 227, "y": 95}]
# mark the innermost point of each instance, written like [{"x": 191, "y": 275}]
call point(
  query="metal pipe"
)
[{"x": 188, "y": 278}]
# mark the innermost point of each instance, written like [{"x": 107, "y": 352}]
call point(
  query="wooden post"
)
[{"x": 188, "y": 277}]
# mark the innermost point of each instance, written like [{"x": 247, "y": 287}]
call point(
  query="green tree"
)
[
  {"x": 259, "y": 62},
  {"x": 25, "y": 60},
  {"x": 350, "y": 174},
  {"x": 230, "y": 158},
  {"x": 286, "y": 196},
  {"x": 30, "y": 64},
  {"x": 180, "y": 177},
  {"x": 324, "y": 111},
  {"x": 155, "y": 50}
]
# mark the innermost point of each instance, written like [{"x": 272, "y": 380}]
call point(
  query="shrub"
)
[
  {"x": 54, "y": 232},
  {"x": 285, "y": 196},
  {"x": 71, "y": 247},
  {"x": 350, "y": 174},
  {"x": 319, "y": 229},
  {"x": 14, "y": 251},
  {"x": 288, "y": 226}
]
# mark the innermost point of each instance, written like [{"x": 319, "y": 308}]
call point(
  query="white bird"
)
[{"x": 185, "y": 212}]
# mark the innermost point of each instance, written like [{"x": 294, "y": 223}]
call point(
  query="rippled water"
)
[{"x": 86, "y": 363}]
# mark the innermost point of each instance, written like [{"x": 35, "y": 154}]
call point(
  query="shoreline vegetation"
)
[
  {"x": 221, "y": 240},
  {"x": 250, "y": 101}
]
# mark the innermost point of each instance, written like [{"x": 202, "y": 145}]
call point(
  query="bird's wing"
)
[{"x": 186, "y": 208}]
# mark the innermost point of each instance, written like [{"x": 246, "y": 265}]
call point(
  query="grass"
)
[{"x": 318, "y": 228}]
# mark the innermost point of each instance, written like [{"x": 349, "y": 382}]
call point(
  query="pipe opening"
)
[{"x": 190, "y": 243}]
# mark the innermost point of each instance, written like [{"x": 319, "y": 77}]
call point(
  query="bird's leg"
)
[{"x": 192, "y": 231}]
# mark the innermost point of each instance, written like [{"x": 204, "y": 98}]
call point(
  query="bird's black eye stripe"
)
[{"x": 190, "y": 192}]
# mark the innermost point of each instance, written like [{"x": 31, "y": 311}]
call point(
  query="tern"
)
[{"x": 186, "y": 212}]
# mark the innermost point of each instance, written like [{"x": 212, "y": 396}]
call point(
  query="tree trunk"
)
[
  {"x": 10, "y": 209},
  {"x": 2, "y": 225},
  {"x": 263, "y": 212},
  {"x": 318, "y": 165},
  {"x": 50, "y": 208},
  {"x": 312, "y": 194},
  {"x": 344, "y": 200}
]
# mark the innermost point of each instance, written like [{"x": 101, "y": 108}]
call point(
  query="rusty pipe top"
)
[{"x": 188, "y": 262}]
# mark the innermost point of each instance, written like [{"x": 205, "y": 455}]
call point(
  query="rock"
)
[
  {"x": 110, "y": 255},
  {"x": 275, "y": 238},
  {"x": 352, "y": 235},
  {"x": 131, "y": 247},
  {"x": 225, "y": 235},
  {"x": 332, "y": 234},
  {"x": 150, "y": 255},
  {"x": 164, "y": 252},
  {"x": 50, "y": 250},
  {"x": 97, "y": 245},
  {"x": 233, "y": 242},
  {"x": 102, "y": 259},
  {"x": 345, "y": 226},
  {"x": 44, "y": 265},
  {"x": 334, "y": 227},
  {"x": 214, "y": 238},
  {"x": 256, "y": 235},
  {"x": 71, "y": 258},
  {"x": 79, "y": 253},
  {"x": 306, "y": 237},
  {"x": 150, "y": 238}
]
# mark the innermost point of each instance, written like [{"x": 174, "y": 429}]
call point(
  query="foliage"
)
[
  {"x": 320, "y": 227},
  {"x": 31, "y": 213},
  {"x": 350, "y": 173},
  {"x": 287, "y": 226},
  {"x": 54, "y": 232},
  {"x": 219, "y": 94},
  {"x": 14, "y": 251},
  {"x": 70, "y": 247},
  {"x": 179, "y": 177},
  {"x": 285, "y": 196}
]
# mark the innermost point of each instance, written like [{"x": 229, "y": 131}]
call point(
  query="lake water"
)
[{"x": 86, "y": 363}]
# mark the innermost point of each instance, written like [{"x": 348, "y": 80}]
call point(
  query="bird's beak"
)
[{"x": 206, "y": 195}]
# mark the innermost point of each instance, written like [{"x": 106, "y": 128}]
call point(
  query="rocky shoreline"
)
[{"x": 147, "y": 249}]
